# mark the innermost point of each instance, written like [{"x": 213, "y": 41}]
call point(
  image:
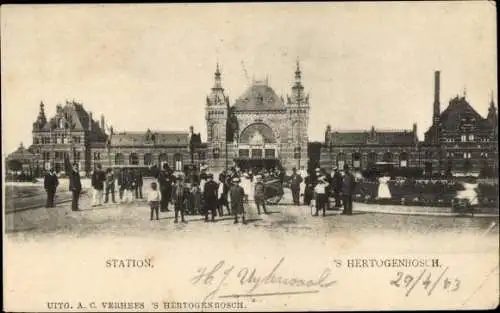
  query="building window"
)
[
  {"x": 467, "y": 155},
  {"x": 214, "y": 131},
  {"x": 216, "y": 153},
  {"x": 340, "y": 160},
  {"x": 97, "y": 156},
  {"x": 119, "y": 159},
  {"x": 269, "y": 153},
  {"x": 36, "y": 141},
  {"x": 471, "y": 137},
  {"x": 178, "y": 162},
  {"x": 148, "y": 159},
  {"x": 484, "y": 154},
  {"x": 356, "y": 160},
  {"x": 257, "y": 153},
  {"x": 77, "y": 155},
  {"x": 387, "y": 157},
  {"x": 244, "y": 153},
  {"x": 133, "y": 159},
  {"x": 403, "y": 159},
  {"x": 296, "y": 153},
  {"x": 464, "y": 138},
  {"x": 372, "y": 158}
]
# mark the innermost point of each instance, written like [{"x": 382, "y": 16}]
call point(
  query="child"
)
[
  {"x": 154, "y": 198},
  {"x": 321, "y": 196}
]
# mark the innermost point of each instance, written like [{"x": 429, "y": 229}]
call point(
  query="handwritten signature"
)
[{"x": 218, "y": 275}]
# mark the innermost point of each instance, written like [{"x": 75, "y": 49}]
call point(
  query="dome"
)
[{"x": 259, "y": 97}]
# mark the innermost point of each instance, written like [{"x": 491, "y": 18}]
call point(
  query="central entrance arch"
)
[{"x": 257, "y": 148}]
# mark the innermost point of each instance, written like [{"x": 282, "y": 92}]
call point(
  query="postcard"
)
[{"x": 250, "y": 157}]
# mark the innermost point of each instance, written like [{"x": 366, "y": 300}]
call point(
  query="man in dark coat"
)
[
  {"x": 348, "y": 184},
  {"x": 236, "y": 197},
  {"x": 259, "y": 194},
  {"x": 165, "y": 181},
  {"x": 180, "y": 196},
  {"x": 75, "y": 186},
  {"x": 309, "y": 190},
  {"x": 97, "y": 181},
  {"x": 295, "y": 181},
  {"x": 110, "y": 186},
  {"x": 337, "y": 187},
  {"x": 50, "y": 184},
  {"x": 139, "y": 184},
  {"x": 210, "y": 196},
  {"x": 122, "y": 182}
]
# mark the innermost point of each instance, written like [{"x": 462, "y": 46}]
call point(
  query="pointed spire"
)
[
  {"x": 298, "y": 73},
  {"x": 42, "y": 119},
  {"x": 492, "y": 100},
  {"x": 217, "y": 78},
  {"x": 297, "y": 89},
  {"x": 465, "y": 92}
]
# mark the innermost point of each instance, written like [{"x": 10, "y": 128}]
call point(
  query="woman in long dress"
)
[{"x": 383, "y": 188}]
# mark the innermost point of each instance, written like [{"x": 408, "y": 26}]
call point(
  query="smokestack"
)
[
  {"x": 102, "y": 122},
  {"x": 437, "y": 87},
  {"x": 90, "y": 121}
]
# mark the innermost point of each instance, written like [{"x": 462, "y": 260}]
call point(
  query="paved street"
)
[{"x": 133, "y": 218}]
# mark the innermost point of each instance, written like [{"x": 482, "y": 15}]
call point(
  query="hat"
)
[
  {"x": 317, "y": 169},
  {"x": 257, "y": 177},
  {"x": 210, "y": 175},
  {"x": 236, "y": 179},
  {"x": 294, "y": 169}
]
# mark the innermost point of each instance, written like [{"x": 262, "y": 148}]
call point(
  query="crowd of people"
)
[{"x": 200, "y": 193}]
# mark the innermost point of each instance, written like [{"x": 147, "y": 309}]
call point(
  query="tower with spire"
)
[
  {"x": 41, "y": 120},
  {"x": 492, "y": 113},
  {"x": 216, "y": 114},
  {"x": 298, "y": 110}
]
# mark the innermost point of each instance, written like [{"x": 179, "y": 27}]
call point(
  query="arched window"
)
[
  {"x": 296, "y": 131},
  {"x": 162, "y": 159},
  {"x": 372, "y": 158},
  {"x": 119, "y": 159},
  {"x": 178, "y": 162},
  {"x": 403, "y": 159},
  {"x": 215, "y": 131},
  {"x": 216, "y": 153},
  {"x": 296, "y": 153},
  {"x": 356, "y": 160},
  {"x": 133, "y": 159},
  {"x": 148, "y": 159},
  {"x": 340, "y": 160}
]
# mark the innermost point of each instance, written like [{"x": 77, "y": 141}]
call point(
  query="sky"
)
[{"x": 152, "y": 66}]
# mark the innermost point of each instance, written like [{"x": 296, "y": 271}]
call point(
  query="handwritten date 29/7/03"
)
[{"x": 427, "y": 280}]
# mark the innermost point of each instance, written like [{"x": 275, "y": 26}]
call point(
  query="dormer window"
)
[
  {"x": 471, "y": 137},
  {"x": 464, "y": 138}
]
